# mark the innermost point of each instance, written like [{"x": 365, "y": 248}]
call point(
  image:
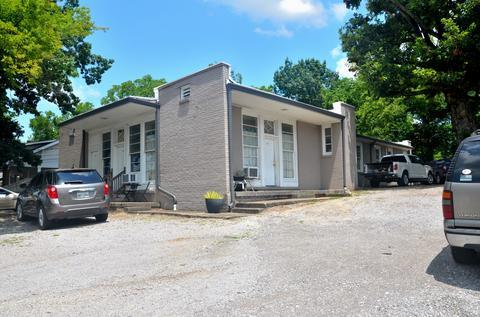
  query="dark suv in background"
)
[
  {"x": 440, "y": 169},
  {"x": 64, "y": 194}
]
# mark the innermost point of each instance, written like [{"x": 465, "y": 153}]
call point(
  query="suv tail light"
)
[
  {"x": 106, "y": 190},
  {"x": 395, "y": 167},
  {"x": 447, "y": 204},
  {"x": 52, "y": 192}
]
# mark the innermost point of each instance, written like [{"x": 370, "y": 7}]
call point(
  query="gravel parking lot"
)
[{"x": 379, "y": 252}]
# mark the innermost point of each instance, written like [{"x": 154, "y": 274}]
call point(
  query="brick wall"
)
[
  {"x": 193, "y": 137},
  {"x": 70, "y": 149}
]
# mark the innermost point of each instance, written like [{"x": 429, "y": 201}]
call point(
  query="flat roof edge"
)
[
  {"x": 383, "y": 141},
  {"x": 191, "y": 75},
  {"x": 278, "y": 98},
  {"x": 108, "y": 107}
]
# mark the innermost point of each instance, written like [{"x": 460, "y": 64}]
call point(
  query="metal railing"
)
[{"x": 117, "y": 181}]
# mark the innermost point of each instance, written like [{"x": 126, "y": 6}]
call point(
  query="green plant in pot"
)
[{"x": 214, "y": 202}]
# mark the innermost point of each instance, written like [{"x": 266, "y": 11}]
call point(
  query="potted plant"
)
[{"x": 214, "y": 202}]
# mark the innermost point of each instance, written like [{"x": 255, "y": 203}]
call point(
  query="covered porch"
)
[
  {"x": 279, "y": 143},
  {"x": 119, "y": 140}
]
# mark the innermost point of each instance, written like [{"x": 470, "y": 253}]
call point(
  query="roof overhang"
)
[
  {"x": 255, "y": 99},
  {"x": 368, "y": 139},
  {"x": 49, "y": 145},
  {"x": 129, "y": 107}
]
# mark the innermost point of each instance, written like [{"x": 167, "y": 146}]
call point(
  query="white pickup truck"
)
[{"x": 400, "y": 168}]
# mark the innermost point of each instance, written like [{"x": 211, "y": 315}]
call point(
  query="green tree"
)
[
  {"x": 45, "y": 125},
  {"x": 236, "y": 76},
  {"x": 267, "y": 88},
  {"x": 351, "y": 91},
  {"x": 142, "y": 87},
  {"x": 42, "y": 47},
  {"x": 304, "y": 81},
  {"x": 412, "y": 48},
  {"x": 416, "y": 118}
]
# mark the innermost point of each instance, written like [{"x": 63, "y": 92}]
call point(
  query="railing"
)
[
  {"x": 172, "y": 196},
  {"x": 117, "y": 181}
]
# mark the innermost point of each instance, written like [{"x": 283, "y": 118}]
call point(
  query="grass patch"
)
[
  {"x": 244, "y": 235},
  {"x": 12, "y": 241}
]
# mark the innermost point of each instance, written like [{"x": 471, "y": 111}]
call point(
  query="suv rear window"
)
[
  {"x": 78, "y": 177},
  {"x": 468, "y": 159},
  {"x": 395, "y": 158}
]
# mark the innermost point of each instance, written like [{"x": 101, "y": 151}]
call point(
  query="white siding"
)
[{"x": 49, "y": 157}]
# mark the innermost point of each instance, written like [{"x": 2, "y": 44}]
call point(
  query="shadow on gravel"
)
[
  {"x": 10, "y": 225},
  {"x": 445, "y": 270},
  {"x": 394, "y": 186}
]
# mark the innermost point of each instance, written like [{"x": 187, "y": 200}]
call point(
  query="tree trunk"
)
[{"x": 463, "y": 115}]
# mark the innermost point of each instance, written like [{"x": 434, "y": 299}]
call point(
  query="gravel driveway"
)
[{"x": 377, "y": 253}]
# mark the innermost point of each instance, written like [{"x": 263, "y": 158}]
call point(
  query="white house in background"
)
[{"x": 48, "y": 152}]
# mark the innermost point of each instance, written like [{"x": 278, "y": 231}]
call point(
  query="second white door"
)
[{"x": 269, "y": 161}]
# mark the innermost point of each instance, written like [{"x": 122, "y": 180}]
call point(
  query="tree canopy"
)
[
  {"x": 420, "y": 48},
  {"x": 43, "y": 47},
  {"x": 45, "y": 125},
  {"x": 139, "y": 87},
  {"x": 304, "y": 81}
]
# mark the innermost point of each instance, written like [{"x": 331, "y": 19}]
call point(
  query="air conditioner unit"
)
[
  {"x": 127, "y": 178},
  {"x": 251, "y": 172}
]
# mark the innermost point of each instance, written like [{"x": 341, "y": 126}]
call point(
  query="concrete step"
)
[
  {"x": 137, "y": 208},
  {"x": 131, "y": 203},
  {"x": 245, "y": 210},
  {"x": 278, "y": 194},
  {"x": 277, "y": 202}
]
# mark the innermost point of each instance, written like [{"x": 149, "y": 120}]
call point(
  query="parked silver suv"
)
[
  {"x": 461, "y": 202},
  {"x": 64, "y": 194}
]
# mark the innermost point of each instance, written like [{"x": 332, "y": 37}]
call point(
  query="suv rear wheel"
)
[
  {"x": 101, "y": 217},
  {"x": 43, "y": 221},
  {"x": 464, "y": 256},
  {"x": 404, "y": 180}
]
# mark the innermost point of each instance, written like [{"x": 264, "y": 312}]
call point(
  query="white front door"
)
[
  {"x": 118, "y": 158},
  {"x": 269, "y": 161}
]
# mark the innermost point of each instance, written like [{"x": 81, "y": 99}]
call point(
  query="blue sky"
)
[{"x": 169, "y": 39}]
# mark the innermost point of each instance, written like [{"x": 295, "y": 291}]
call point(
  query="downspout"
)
[
  {"x": 157, "y": 158},
  {"x": 343, "y": 157},
  {"x": 231, "y": 203}
]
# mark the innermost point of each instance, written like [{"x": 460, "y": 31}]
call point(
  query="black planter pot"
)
[{"x": 214, "y": 205}]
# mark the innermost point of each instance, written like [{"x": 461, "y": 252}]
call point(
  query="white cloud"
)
[
  {"x": 303, "y": 12},
  {"x": 282, "y": 31},
  {"x": 86, "y": 93},
  {"x": 342, "y": 68},
  {"x": 339, "y": 10},
  {"x": 336, "y": 52}
]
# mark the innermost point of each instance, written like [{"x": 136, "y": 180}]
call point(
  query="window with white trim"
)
[
  {"x": 150, "y": 150},
  {"x": 288, "y": 149},
  {"x": 106, "y": 152},
  {"x": 327, "y": 140},
  {"x": 120, "y": 135},
  {"x": 250, "y": 141},
  {"x": 359, "y": 158},
  {"x": 185, "y": 93},
  {"x": 135, "y": 148}
]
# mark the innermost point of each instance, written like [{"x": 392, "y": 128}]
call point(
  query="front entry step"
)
[
  {"x": 282, "y": 194},
  {"x": 277, "y": 202},
  {"x": 255, "y": 207},
  {"x": 131, "y": 206}
]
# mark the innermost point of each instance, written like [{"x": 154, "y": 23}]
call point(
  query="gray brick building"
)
[{"x": 201, "y": 130}]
